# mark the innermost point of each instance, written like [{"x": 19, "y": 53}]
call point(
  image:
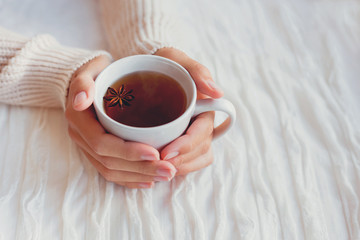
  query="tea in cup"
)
[
  {"x": 151, "y": 99},
  {"x": 145, "y": 99}
]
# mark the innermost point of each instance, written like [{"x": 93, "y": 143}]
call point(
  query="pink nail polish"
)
[
  {"x": 171, "y": 155},
  {"x": 80, "y": 97},
  {"x": 165, "y": 173},
  {"x": 214, "y": 86},
  {"x": 149, "y": 157},
  {"x": 145, "y": 185},
  {"x": 161, "y": 179}
]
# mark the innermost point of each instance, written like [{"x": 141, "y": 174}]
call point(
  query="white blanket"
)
[{"x": 289, "y": 169}]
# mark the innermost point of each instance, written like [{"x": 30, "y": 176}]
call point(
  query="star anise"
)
[{"x": 121, "y": 97}]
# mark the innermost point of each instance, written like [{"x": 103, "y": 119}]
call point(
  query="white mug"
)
[{"x": 161, "y": 135}]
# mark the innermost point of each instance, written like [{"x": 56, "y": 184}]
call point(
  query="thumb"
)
[
  {"x": 82, "y": 91},
  {"x": 202, "y": 78},
  {"x": 200, "y": 74},
  {"x": 82, "y": 86}
]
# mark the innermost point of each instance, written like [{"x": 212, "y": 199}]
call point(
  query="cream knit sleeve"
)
[
  {"x": 37, "y": 71},
  {"x": 140, "y": 26}
]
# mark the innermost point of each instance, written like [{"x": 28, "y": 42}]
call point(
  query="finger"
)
[
  {"x": 136, "y": 185},
  {"x": 82, "y": 88},
  {"x": 122, "y": 176},
  {"x": 199, "y": 163},
  {"x": 202, "y": 78},
  {"x": 179, "y": 161},
  {"x": 153, "y": 168},
  {"x": 200, "y": 74},
  {"x": 105, "y": 144},
  {"x": 199, "y": 131},
  {"x": 82, "y": 91}
]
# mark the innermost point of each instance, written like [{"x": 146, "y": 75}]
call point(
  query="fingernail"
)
[
  {"x": 171, "y": 155},
  {"x": 161, "y": 179},
  {"x": 145, "y": 185},
  {"x": 166, "y": 173},
  {"x": 213, "y": 85},
  {"x": 149, "y": 157},
  {"x": 81, "y": 96}
]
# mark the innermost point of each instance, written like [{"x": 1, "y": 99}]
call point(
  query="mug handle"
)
[{"x": 209, "y": 104}]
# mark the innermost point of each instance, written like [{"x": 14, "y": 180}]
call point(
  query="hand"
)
[
  {"x": 130, "y": 164},
  {"x": 192, "y": 151}
]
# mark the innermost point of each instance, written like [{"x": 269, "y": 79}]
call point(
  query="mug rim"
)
[{"x": 188, "y": 110}]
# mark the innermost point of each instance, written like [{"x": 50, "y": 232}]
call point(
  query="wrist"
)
[{"x": 46, "y": 68}]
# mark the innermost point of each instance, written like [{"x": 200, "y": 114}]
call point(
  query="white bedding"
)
[{"x": 289, "y": 169}]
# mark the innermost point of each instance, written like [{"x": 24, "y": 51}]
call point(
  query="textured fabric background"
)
[{"x": 290, "y": 168}]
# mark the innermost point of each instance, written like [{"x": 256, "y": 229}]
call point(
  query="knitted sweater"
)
[{"x": 36, "y": 71}]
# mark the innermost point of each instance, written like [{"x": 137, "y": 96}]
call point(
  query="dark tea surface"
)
[{"x": 156, "y": 99}]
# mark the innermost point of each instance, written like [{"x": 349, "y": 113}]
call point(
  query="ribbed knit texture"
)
[
  {"x": 288, "y": 170},
  {"x": 140, "y": 26},
  {"x": 37, "y": 71}
]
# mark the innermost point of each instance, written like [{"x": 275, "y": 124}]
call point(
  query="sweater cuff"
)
[
  {"x": 141, "y": 26},
  {"x": 39, "y": 73}
]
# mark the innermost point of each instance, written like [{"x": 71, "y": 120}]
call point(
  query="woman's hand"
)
[
  {"x": 192, "y": 151},
  {"x": 129, "y": 164}
]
